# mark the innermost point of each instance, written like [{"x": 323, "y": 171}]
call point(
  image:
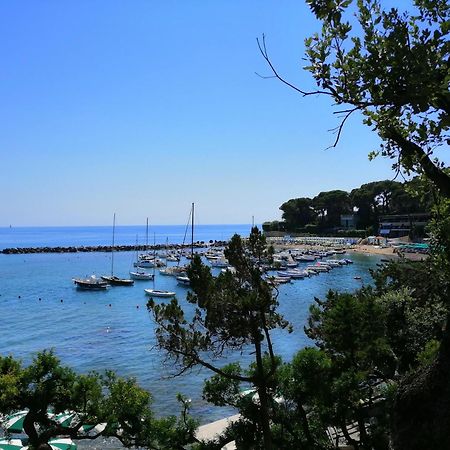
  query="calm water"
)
[
  {"x": 112, "y": 329},
  {"x": 124, "y": 235}
]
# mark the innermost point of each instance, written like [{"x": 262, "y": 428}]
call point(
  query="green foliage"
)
[
  {"x": 428, "y": 355},
  {"x": 298, "y": 212},
  {"x": 368, "y": 202},
  {"x": 392, "y": 66},
  {"x": 330, "y": 205},
  {"x": 45, "y": 385},
  {"x": 232, "y": 312},
  {"x": 411, "y": 325}
]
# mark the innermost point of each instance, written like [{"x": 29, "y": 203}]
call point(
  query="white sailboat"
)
[
  {"x": 157, "y": 292},
  {"x": 181, "y": 278},
  {"x": 139, "y": 273},
  {"x": 112, "y": 279}
]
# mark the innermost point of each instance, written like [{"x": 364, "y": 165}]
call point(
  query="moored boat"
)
[
  {"x": 113, "y": 279},
  {"x": 141, "y": 275},
  {"x": 91, "y": 282},
  {"x": 184, "y": 281},
  {"x": 159, "y": 293},
  {"x": 116, "y": 281}
]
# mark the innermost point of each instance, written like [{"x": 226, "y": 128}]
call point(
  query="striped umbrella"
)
[
  {"x": 14, "y": 422},
  {"x": 70, "y": 419},
  {"x": 93, "y": 429},
  {"x": 62, "y": 444},
  {"x": 65, "y": 419},
  {"x": 11, "y": 444}
]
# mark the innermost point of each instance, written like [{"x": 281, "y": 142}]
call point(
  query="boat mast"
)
[
  {"x": 192, "y": 232},
  {"x": 154, "y": 258},
  {"x": 146, "y": 238},
  {"x": 112, "y": 248}
]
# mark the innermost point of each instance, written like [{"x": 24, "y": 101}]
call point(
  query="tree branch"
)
[{"x": 412, "y": 150}]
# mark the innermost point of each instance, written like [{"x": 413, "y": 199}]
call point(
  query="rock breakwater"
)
[{"x": 108, "y": 248}]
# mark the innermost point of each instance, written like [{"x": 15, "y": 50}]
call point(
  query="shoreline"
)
[{"x": 360, "y": 248}]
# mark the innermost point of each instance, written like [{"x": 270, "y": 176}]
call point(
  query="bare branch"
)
[
  {"x": 341, "y": 126},
  {"x": 263, "y": 50}
]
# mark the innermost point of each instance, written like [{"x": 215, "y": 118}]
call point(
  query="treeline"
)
[{"x": 367, "y": 203}]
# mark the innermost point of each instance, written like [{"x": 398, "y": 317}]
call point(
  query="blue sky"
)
[{"x": 142, "y": 107}]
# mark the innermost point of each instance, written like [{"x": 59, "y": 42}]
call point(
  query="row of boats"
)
[{"x": 285, "y": 265}]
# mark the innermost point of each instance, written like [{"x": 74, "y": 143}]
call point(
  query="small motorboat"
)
[
  {"x": 184, "y": 281},
  {"x": 92, "y": 283},
  {"x": 159, "y": 293},
  {"x": 141, "y": 275}
]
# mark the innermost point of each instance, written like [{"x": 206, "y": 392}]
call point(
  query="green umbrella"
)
[
  {"x": 93, "y": 429},
  {"x": 62, "y": 444},
  {"x": 14, "y": 422},
  {"x": 65, "y": 419},
  {"x": 11, "y": 444}
]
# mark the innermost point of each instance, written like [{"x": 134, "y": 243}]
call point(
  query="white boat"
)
[
  {"x": 306, "y": 258},
  {"x": 91, "y": 282},
  {"x": 113, "y": 279},
  {"x": 333, "y": 262},
  {"x": 159, "y": 293},
  {"x": 283, "y": 274},
  {"x": 319, "y": 268},
  {"x": 296, "y": 274},
  {"x": 141, "y": 275},
  {"x": 219, "y": 263},
  {"x": 281, "y": 279},
  {"x": 184, "y": 281}
]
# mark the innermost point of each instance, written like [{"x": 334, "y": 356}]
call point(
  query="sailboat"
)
[
  {"x": 182, "y": 279},
  {"x": 112, "y": 279},
  {"x": 140, "y": 274},
  {"x": 157, "y": 292}
]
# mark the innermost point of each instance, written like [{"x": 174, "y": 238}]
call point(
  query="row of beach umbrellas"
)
[
  {"x": 14, "y": 424},
  {"x": 56, "y": 444}
]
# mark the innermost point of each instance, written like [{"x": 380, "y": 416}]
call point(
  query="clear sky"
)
[{"x": 142, "y": 107}]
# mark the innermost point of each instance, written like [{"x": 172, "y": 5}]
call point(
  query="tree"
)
[
  {"x": 298, "y": 212},
  {"x": 382, "y": 197},
  {"x": 393, "y": 67},
  {"x": 232, "y": 312},
  {"x": 330, "y": 205},
  {"x": 45, "y": 389}
]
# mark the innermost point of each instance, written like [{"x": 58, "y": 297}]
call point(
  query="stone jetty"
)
[{"x": 108, "y": 248}]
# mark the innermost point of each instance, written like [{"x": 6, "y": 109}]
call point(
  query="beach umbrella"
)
[
  {"x": 11, "y": 444},
  {"x": 14, "y": 422},
  {"x": 65, "y": 418},
  {"x": 62, "y": 444},
  {"x": 92, "y": 429}
]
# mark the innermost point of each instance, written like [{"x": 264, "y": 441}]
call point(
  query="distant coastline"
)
[
  {"x": 127, "y": 236},
  {"x": 106, "y": 248}
]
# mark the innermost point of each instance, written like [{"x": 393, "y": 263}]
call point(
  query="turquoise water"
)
[{"x": 113, "y": 330}]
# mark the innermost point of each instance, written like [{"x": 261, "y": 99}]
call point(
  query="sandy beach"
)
[{"x": 389, "y": 252}]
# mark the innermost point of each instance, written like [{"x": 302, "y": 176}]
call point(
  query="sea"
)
[{"x": 40, "y": 308}]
